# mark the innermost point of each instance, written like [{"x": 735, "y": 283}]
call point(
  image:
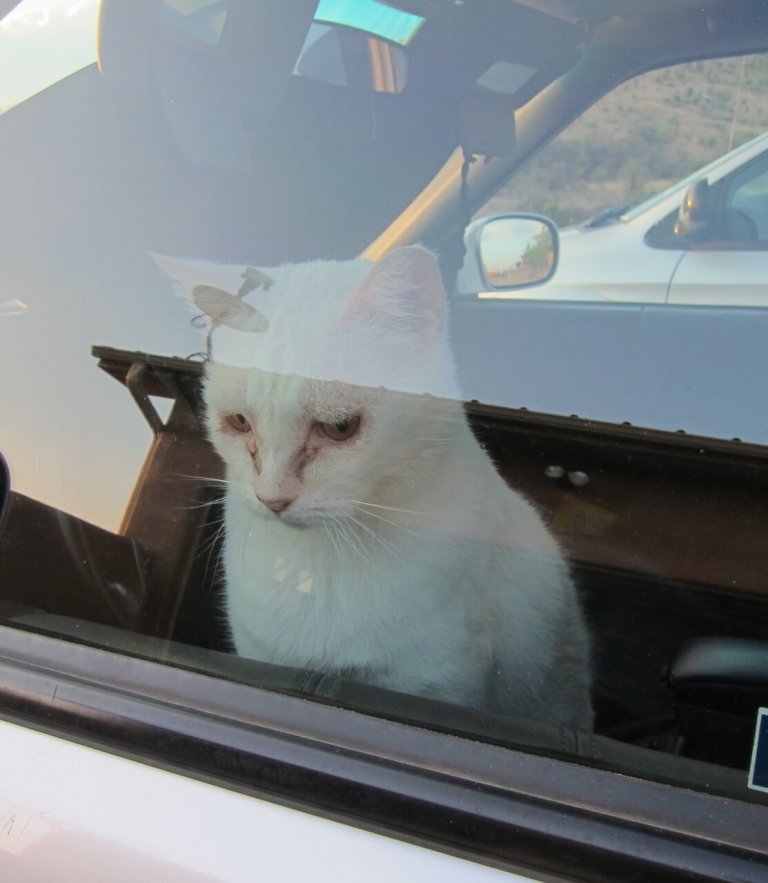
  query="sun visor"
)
[{"x": 488, "y": 123}]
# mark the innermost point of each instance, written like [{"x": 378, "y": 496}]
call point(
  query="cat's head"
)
[{"x": 326, "y": 385}]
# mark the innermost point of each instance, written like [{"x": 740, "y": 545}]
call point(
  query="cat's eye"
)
[
  {"x": 341, "y": 430},
  {"x": 237, "y": 422}
]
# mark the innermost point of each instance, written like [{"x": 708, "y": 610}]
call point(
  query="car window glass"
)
[
  {"x": 236, "y": 448},
  {"x": 615, "y": 180},
  {"x": 746, "y": 204}
]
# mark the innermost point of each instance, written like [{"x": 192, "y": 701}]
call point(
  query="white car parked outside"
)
[{"x": 718, "y": 256}]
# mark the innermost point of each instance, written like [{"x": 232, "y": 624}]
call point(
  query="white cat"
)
[{"x": 366, "y": 530}]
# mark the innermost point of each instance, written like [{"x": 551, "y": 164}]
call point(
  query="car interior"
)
[{"x": 193, "y": 139}]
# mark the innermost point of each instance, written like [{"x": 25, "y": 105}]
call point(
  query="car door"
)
[
  {"x": 122, "y": 712},
  {"x": 729, "y": 267}
]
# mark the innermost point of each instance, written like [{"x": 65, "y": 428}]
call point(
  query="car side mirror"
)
[
  {"x": 512, "y": 251},
  {"x": 696, "y": 212}
]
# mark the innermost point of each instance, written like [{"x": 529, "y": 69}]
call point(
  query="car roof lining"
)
[
  {"x": 621, "y": 48},
  {"x": 285, "y": 202},
  {"x": 238, "y": 115}
]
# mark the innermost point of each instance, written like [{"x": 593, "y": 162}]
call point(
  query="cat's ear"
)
[{"x": 403, "y": 291}]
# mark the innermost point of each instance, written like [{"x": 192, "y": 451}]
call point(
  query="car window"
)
[
  {"x": 657, "y": 131},
  {"x": 615, "y": 181},
  {"x": 744, "y": 204},
  {"x": 440, "y": 499}
]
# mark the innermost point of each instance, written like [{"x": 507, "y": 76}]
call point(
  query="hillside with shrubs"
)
[{"x": 642, "y": 137}]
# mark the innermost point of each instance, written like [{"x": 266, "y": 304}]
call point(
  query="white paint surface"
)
[{"x": 68, "y": 812}]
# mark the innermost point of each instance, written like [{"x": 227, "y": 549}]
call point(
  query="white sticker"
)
[{"x": 758, "y": 770}]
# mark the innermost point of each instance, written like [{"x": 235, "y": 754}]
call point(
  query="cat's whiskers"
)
[
  {"x": 210, "y": 545},
  {"x": 353, "y": 541},
  {"x": 390, "y": 508},
  {"x": 357, "y": 540},
  {"x": 379, "y": 539},
  {"x": 340, "y": 534},
  {"x": 211, "y": 542},
  {"x": 416, "y": 533},
  {"x": 204, "y": 505},
  {"x": 330, "y": 532},
  {"x": 206, "y": 479},
  {"x": 206, "y": 482}
]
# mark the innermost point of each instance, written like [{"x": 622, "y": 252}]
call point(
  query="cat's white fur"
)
[{"x": 402, "y": 557}]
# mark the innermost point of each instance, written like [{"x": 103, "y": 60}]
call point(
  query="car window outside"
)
[
  {"x": 320, "y": 455},
  {"x": 747, "y": 195},
  {"x": 625, "y": 166}
]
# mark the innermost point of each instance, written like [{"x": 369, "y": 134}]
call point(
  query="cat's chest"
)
[
  {"x": 290, "y": 607},
  {"x": 281, "y": 574},
  {"x": 284, "y": 576},
  {"x": 296, "y": 597}
]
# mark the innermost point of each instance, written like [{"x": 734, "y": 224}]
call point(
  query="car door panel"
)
[{"x": 725, "y": 277}]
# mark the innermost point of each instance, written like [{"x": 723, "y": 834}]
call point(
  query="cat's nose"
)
[{"x": 277, "y": 505}]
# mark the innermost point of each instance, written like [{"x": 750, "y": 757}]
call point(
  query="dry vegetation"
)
[{"x": 642, "y": 137}]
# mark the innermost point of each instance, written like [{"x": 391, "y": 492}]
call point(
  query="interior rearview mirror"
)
[
  {"x": 345, "y": 56},
  {"x": 516, "y": 251}
]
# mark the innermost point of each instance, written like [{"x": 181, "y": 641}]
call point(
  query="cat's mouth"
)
[
  {"x": 306, "y": 518},
  {"x": 292, "y": 519},
  {"x": 295, "y": 518},
  {"x": 299, "y": 521},
  {"x": 298, "y": 513}
]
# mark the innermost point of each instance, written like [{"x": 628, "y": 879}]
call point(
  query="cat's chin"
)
[
  {"x": 299, "y": 524},
  {"x": 298, "y": 519},
  {"x": 286, "y": 518}
]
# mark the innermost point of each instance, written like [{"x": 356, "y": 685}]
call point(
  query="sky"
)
[{"x": 42, "y": 41}]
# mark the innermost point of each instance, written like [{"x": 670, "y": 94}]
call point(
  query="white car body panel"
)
[
  {"x": 661, "y": 338},
  {"x": 696, "y": 369},
  {"x": 68, "y": 812},
  {"x": 629, "y": 269},
  {"x": 594, "y": 265},
  {"x": 614, "y": 263},
  {"x": 721, "y": 277}
]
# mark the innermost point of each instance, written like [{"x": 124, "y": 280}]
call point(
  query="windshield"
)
[{"x": 43, "y": 41}]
